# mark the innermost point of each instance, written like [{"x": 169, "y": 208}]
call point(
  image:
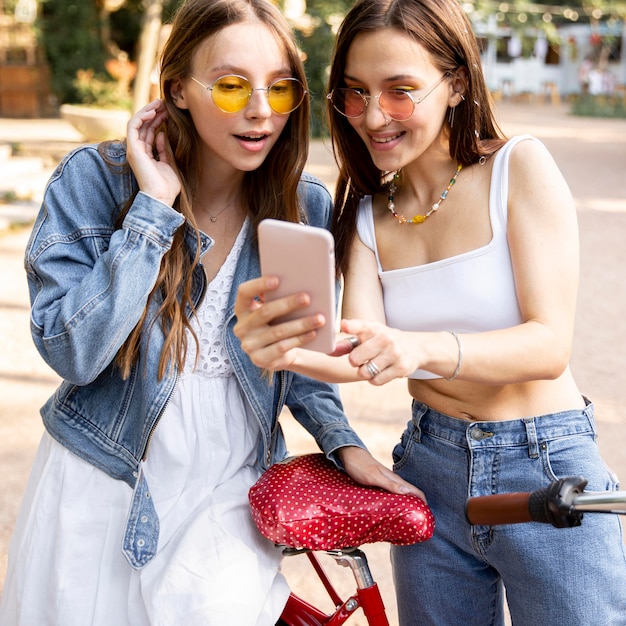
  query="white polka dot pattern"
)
[{"x": 306, "y": 502}]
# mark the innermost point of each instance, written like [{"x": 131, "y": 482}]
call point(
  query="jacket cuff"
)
[{"x": 152, "y": 218}]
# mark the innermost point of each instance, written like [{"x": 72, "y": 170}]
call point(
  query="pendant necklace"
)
[
  {"x": 418, "y": 219},
  {"x": 213, "y": 218}
]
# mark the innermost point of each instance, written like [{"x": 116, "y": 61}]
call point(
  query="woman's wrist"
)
[{"x": 459, "y": 361}]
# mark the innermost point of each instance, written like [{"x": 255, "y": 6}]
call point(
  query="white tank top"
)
[{"x": 469, "y": 293}]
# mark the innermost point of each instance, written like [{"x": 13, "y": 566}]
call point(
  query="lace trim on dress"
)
[{"x": 210, "y": 318}]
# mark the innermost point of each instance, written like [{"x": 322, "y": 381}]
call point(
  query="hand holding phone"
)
[{"x": 303, "y": 259}]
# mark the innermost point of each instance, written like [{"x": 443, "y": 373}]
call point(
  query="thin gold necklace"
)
[
  {"x": 418, "y": 219},
  {"x": 213, "y": 218}
]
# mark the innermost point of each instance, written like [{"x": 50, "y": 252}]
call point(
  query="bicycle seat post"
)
[
  {"x": 368, "y": 595},
  {"x": 357, "y": 562}
]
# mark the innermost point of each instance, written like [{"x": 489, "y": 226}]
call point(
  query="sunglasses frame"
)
[
  {"x": 366, "y": 100},
  {"x": 252, "y": 90}
]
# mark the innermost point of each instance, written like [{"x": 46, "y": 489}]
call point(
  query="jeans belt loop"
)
[
  {"x": 531, "y": 435},
  {"x": 418, "y": 411}
]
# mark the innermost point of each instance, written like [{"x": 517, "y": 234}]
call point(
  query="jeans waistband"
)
[{"x": 524, "y": 431}]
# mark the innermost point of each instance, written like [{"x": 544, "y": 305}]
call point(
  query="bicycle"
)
[
  {"x": 278, "y": 502},
  {"x": 562, "y": 504}
]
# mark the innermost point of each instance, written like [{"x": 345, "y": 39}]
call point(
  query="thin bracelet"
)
[{"x": 460, "y": 361}]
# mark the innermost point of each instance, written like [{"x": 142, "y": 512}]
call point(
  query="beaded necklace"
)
[{"x": 418, "y": 219}]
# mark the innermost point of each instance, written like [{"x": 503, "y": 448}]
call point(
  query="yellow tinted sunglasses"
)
[{"x": 232, "y": 93}]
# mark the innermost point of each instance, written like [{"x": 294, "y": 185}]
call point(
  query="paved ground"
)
[{"x": 592, "y": 155}]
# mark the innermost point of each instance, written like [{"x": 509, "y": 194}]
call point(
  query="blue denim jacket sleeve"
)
[{"x": 88, "y": 282}]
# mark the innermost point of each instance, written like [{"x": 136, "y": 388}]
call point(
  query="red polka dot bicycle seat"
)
[{"x": 306, "y": 502}]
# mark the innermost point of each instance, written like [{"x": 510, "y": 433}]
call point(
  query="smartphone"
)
[{"x": 303, "y": 258}]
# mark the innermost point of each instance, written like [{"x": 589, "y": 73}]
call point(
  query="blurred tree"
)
[
  {"x": 148, "y": 47},
  {"x": 315, "y": 31},
  {"x": 70, "y": 34},
  {"x": 81, "y": 35}
]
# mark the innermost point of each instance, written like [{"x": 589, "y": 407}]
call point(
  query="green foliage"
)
[
  {"x": 317, "y": 42},
  {"x": 587, "y": 105},
  {"x": 520, "y": 15},
  {"x": 100, "y": 90},
  {"x": 126, "y": 24},
  {"x": 8, "y": 7},
  {"x": 70, "y": 35}
]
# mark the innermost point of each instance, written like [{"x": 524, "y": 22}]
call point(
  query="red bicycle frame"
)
[{"x": 298, "y": 612}]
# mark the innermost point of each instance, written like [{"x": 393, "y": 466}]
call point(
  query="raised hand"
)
[{"x": 147, "y": 156}]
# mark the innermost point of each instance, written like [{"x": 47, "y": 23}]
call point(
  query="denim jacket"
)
[{"x": 89, "y": 284}]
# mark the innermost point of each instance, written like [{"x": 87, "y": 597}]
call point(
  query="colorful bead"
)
[{"x": 418, "y": 219}]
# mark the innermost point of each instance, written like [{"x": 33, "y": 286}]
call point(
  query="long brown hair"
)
[
  {"x": 443, "y": 29},
  {"x": 269, "y": 191}
]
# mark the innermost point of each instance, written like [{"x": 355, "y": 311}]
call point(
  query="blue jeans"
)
[{"x": 573, "y": 576}]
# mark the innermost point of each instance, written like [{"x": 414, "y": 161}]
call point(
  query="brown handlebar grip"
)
[{"x": 505, "y": 508}]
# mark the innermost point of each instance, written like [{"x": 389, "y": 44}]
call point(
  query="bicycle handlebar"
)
[
  {"x": 554, "y": 505},
  {"x": 562, "y": 504}
]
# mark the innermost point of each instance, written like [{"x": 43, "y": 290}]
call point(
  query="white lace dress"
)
[{"x": 212, "y": 566}]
